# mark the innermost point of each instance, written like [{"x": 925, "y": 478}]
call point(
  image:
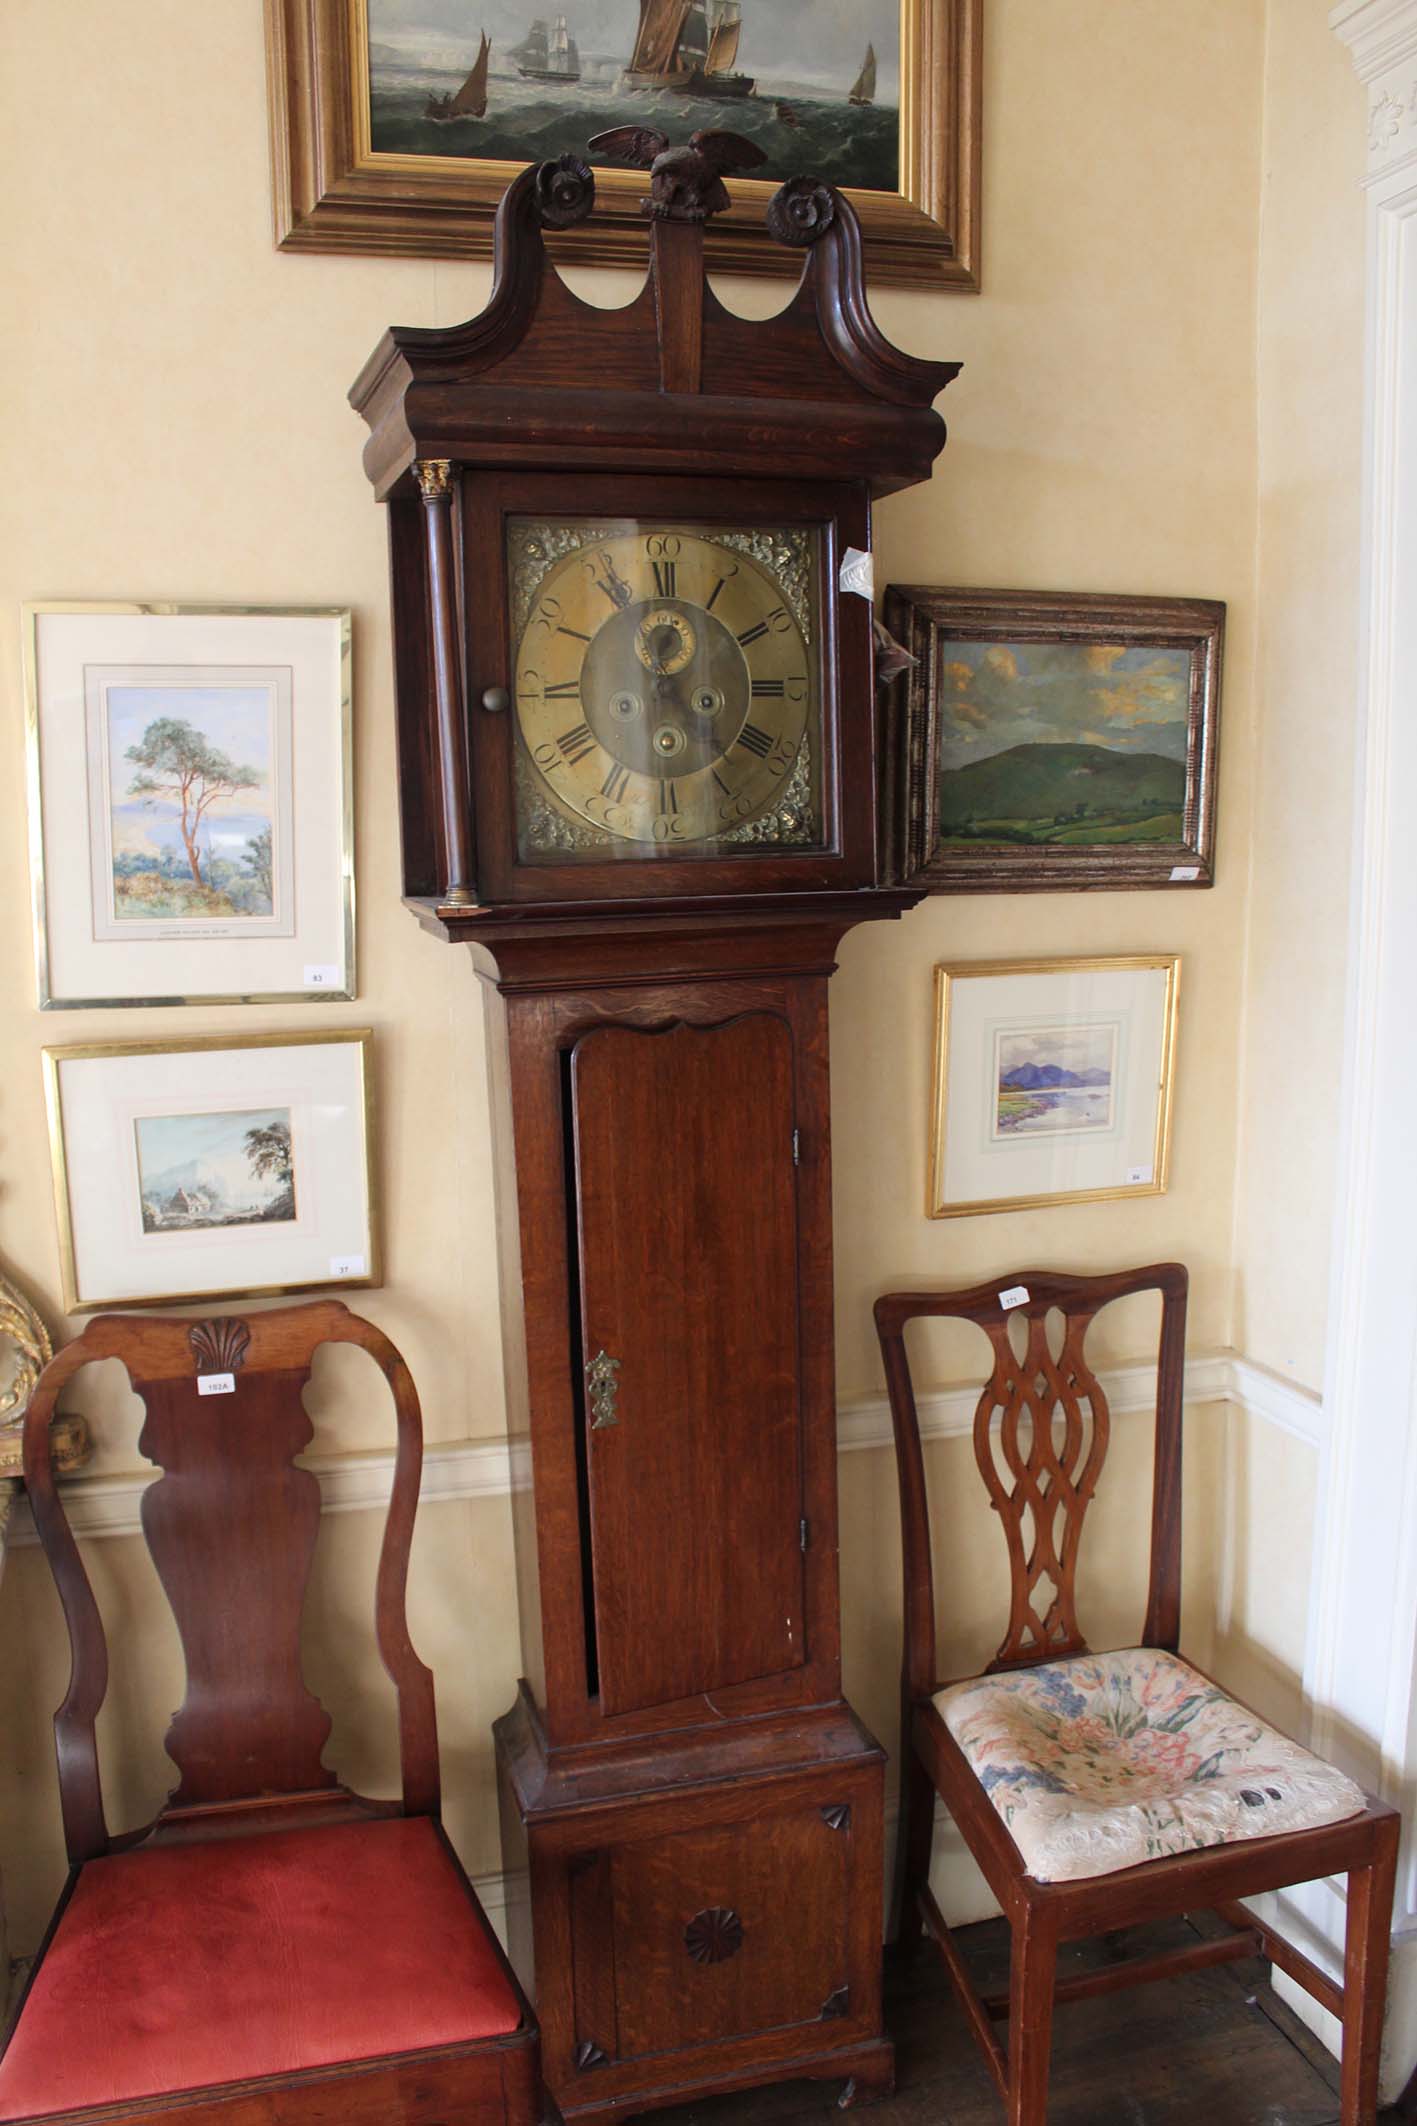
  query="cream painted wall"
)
[
  {"x": 177, "y": 429},
  {"x": 1310, "y": 354}
]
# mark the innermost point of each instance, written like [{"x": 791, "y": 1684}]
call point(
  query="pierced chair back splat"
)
[
  {"x": 273, "y": 1949},
  {"x": 1100, "y": 1790}
]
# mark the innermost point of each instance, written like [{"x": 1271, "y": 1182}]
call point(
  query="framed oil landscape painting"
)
[
  {"x": 1053, "y": 1082},
  {"x": 398, "y": 124},
  {"x": 188, "y": 1170},
  {"x": 1050, "y": 742},
  {"x": 190, "y": 804}
]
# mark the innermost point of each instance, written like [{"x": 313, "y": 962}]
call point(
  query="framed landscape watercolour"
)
[
  {"x": 1045, "y": 741},
  {"x": 1052, "y": 1082},
  {"x": 188, "y": 1170},
  {"x": 396, "y": 125},
  {"x": 190, "y": 804}
]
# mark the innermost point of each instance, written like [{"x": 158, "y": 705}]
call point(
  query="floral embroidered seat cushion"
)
[{"x": 1103, "y": 1761}]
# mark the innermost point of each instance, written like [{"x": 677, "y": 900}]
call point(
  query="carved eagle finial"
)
[{"x": 686, "y": 183}]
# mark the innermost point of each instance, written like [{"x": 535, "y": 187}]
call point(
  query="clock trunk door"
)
[{"x": 687, "y": 1230}]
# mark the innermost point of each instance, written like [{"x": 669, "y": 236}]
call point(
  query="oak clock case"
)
[
  {"x": 637, "y": 778},
  {"x": 673, "y": 656}
]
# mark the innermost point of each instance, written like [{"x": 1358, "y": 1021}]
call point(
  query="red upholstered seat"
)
[{"x": 187, "y": 1965}]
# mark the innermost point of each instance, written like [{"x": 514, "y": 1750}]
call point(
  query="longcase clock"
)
[{"x": 638, "y": 767}]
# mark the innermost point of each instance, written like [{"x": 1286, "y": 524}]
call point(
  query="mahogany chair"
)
[
  {"x": 1097, "y": 1791},
  {"x": 273, "y": 1950}
]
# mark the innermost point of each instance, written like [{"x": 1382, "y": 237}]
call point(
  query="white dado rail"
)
[{"x": 490, "y": 1468}]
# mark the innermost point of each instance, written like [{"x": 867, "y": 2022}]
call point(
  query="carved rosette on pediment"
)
[{"x": 1382, "y": 38}]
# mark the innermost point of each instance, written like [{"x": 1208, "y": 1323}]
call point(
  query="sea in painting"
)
[
  {"x": 815, "y": 85},
  {"x": 231, "y": 1168},
  {"x": 1054, "y": 1080},
  {"x": 1079, "y": 744},
  {"x": 190, "y": 785}
]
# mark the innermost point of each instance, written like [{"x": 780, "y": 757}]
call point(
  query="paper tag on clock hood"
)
[{"x": 857, "y": 573}]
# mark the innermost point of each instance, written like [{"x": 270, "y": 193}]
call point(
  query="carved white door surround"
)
[{"x": 1361, "y": 1665}]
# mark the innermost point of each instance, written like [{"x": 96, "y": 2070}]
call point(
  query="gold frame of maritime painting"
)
[
  {"x": 1053, "y": 1082},
  {"x": 385, "y": 138}
]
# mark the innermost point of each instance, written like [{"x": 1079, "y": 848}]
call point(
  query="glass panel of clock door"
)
[{"x": 686, "y": 1207}]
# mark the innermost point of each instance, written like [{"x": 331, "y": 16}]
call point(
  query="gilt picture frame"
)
[
  {"x": 357, "y": 169},
  {"x": 1053, "y": 1082},
  {"x": 191, "y": 803},
  {"x": 1046, "y": 741},
  {"x": 194, "y": 1170}
]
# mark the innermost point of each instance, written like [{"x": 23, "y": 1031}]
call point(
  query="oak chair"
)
[
  {"x": 273, "y": 1949},
  {"x": 1097, "y": 1791}
]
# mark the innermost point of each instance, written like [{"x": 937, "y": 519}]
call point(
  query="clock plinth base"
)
[{"x": 707, "y": 1912}]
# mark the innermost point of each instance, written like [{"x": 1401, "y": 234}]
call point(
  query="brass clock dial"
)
[{"x": 667, "y": 691}]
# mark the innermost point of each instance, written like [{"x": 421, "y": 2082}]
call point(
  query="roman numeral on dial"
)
[
  {"x": 759, "y": 742},
  {"x": 666, "y": 578},
  {"x": 668, "y": 796},
  {"x": 752, "y": 634},
  {"x": 577, "y": 742},
  {"x": 772, "y": 688},
  {"x": 616, "y": 783},
  {"x": 564, "y": 690}
]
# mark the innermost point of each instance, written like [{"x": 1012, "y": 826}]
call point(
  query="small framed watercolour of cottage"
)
[
  {"x": 1049, "y": 742},
  {"x": 188, "y": 1170},
  {"x": 190, "y": 804},
  {"x": 1052, "y": 1082}
]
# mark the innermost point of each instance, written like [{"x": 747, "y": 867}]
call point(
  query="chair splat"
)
[{"x": 1041, "y": 1471}]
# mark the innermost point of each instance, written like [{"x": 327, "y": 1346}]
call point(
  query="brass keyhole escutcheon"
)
[{"x": 601, "y": 1382}]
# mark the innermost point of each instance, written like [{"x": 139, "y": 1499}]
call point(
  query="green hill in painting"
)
[{"x": 1063, "y": 793}]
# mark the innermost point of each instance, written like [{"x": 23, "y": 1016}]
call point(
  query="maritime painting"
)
[
  {"x": 1054, "y": 1080},
  {"x": 1067, "y": 743},
  {"x": 815, "y": 85}
]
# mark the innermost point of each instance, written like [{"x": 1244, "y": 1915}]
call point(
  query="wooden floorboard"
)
[{"x": 1217, "y": 2046}]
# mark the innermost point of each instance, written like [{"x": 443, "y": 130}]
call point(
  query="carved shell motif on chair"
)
[{"x": 219, "y": 1345}]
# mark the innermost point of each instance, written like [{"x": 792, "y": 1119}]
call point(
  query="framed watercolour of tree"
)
[
  {"x": 396, "y": 125},
  {"x": 1046, "y": 741},
  {"x": 172, "y": 862}
]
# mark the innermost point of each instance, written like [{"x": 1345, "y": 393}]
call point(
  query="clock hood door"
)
[{"x": 687, "y": 1239}]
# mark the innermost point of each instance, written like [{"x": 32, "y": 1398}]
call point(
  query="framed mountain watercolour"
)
[
  {"x": 1052, "y": 1082},
  {"x": 1045, "y": 741},
  {"x": 396, "y": 125},
  {"x": 190, "y": 804},
  {"x": 187, "y": 1170}
]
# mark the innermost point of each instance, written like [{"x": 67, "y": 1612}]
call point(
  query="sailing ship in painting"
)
[
  {"x": 548, "y": 55},
  {"x": 470, "y": 101},
  {"x": 815, "y": 86},
  {"x": 679, "y": 48}
]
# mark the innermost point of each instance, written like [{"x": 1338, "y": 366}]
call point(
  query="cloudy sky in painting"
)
[
  {"x": 1075, "y": 1048},
  {"x": 819, "y": 41},
  {"x": 994, "y": 695}
]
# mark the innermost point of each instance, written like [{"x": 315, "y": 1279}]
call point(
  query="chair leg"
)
[
  {"x": 1033, "y": 1960},
  {"x": 915, "y": 1831},
  {"x": 1365, "y": 1959}
]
